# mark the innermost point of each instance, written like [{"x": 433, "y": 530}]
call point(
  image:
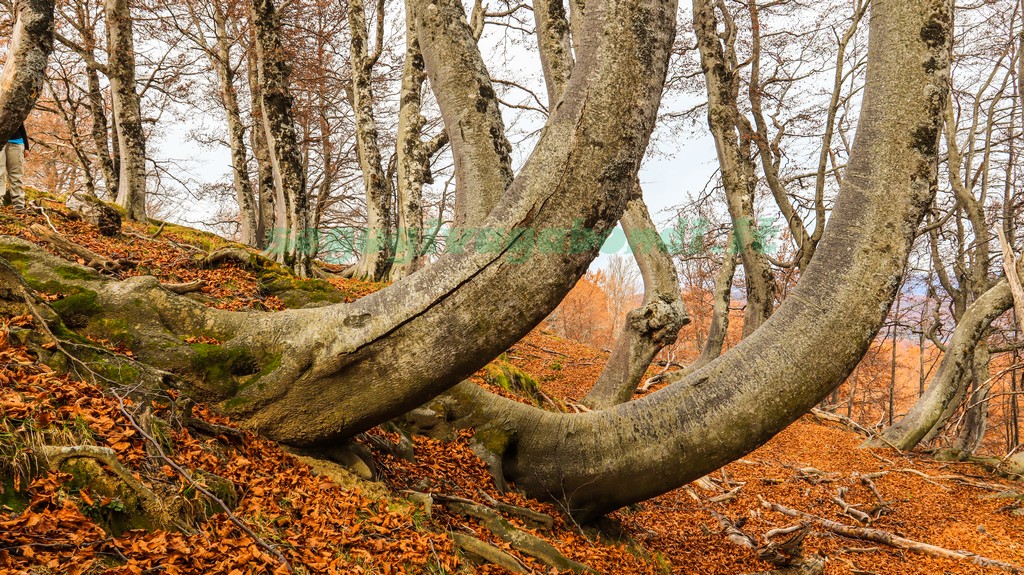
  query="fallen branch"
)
[
  {"x": 787, "y": 557},
  {"x": 848, "y": 509},
  {"x": 891, "y": 539}
]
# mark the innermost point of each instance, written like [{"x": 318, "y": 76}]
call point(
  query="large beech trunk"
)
[
  {"x": 469, "y": 108},
  {"x": 131, "y": 188},
  {"x": 292, "y": 241},
  {"x": 21, "y": 81},
  {"x": 602, "y": 460},
  {"x": 314, "y": 376}
]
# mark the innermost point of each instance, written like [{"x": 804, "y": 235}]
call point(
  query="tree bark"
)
[
  {"x": 24, "y": 73},
  {"x": 265, "y": 187},
  {"x": 131, "y": 189},
  {"x": 101, "y": 134},
  {"x": 413, "y": 156},
  {"x": 375, "y": 260},
  {"x": 656, "y": 323},
  {"x": 599, "y": 461},
  {"x": 948, "y": 387},
  {"x": 469, "y": 108},
  {"x": 292, "y": 242},
  {"x": 220, "y": 58},
  {"x": 652, "y": 326},
  {"x": 721, "y": 75}
]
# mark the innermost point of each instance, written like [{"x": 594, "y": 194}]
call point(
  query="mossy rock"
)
[
  {"x": 114, "y": 506},
  {"x": 513, "y": 380},
  {"x": 76, "y": 309}
]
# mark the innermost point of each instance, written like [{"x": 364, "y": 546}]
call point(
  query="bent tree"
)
[{"x": 316, "y": 376}]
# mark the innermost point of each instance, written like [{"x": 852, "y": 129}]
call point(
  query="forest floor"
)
[{"x": 321, "y": 518}]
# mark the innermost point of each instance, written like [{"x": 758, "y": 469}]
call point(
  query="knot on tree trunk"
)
[{"x": 660, "y": 319}]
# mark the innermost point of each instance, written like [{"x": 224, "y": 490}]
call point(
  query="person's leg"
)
[
  {"x": 3, "y": 176},
  {"x": 15, "y": 172}
]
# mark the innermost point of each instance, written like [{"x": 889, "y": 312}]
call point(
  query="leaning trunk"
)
[
  {"x": 21, "y": 81},
  {"x": 469, "y": 108},
  {"x": 652, "y": 326},
  {"x": 247, "y": 216},
  {"x": 949, "y": 385}
]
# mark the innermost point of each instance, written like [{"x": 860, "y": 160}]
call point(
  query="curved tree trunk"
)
[
  {"x": 314, "y": 376},
  {"x": 469, "y": 108},
  {"x": 949, "y": 385},
  {"x": 131, "y": 188},
  {"x": 652, "y": 326},
  {"x": 719, "y": 323},
  {"x": 21, "y": 81},
  {"x": 599, "y": 461}
]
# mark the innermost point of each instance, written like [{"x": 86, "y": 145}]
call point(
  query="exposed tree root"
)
[
  {"x": 891, "y": 539},
  {"x": 91, "y": 258},
  {"x": 184, "y": 288},
  {"x": 525, "y": 542},
  {"x": 488, "y": 553},
  {"x": 152, "y": 504}
]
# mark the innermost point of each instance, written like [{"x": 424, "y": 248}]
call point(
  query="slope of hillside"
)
[{"x": 203, "y": 497}]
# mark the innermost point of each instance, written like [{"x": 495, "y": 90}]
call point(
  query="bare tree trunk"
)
[
  {"x": 652, "y": 326},
  {"x": 293, "y": 242},
  {"x": 24, "y": 73},
  {"x": 101, "y": 134},
  {"x": 131, "y": 189},
  {"x": 375, "y": 260},
  {"x": 948, "y": 387},
  {"x": 719, "y": 320},
  {"x": 656, "y": 323},
  {"x": 469, "y": 108},
  {"x": 413, "y": 156},
  {"x": 221, "y": 61},
  {"x": 265, "y": 187},
  {"x": 734, "y": 156},
  {"x": 976, "y": 418}
]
